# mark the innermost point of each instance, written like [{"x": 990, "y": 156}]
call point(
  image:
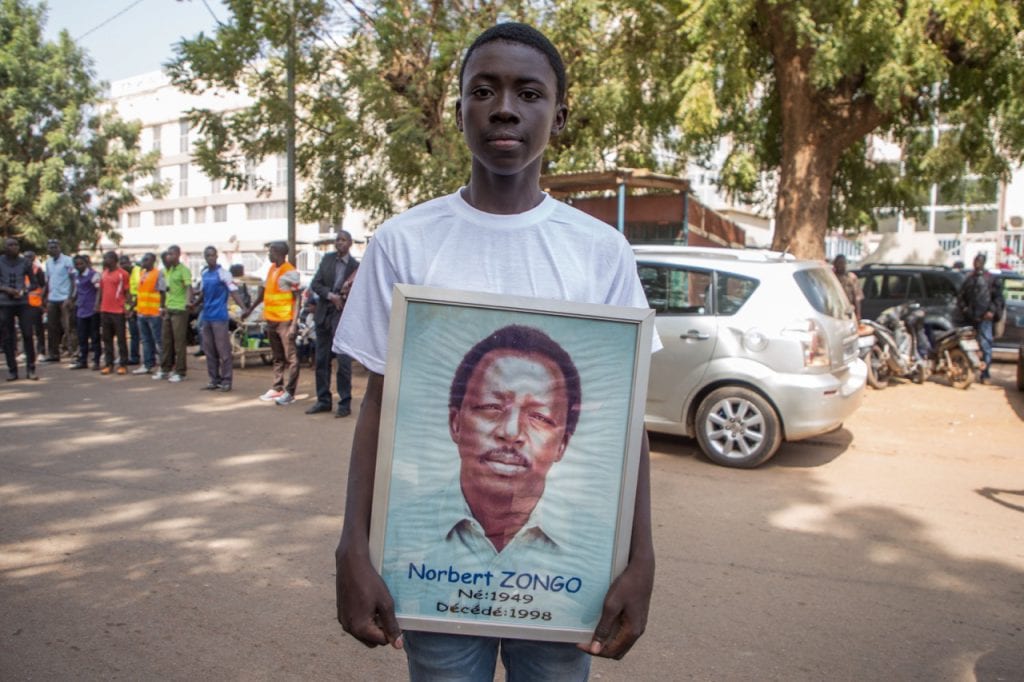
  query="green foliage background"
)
[
  {"x": 66, "y": 165},
  {"x": 652, "y": 84}
]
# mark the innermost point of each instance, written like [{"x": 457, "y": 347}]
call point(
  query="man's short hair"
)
[
  {"x": 524, "y": 34},
  {"x": 523, "y": 340},
  {"x": 280, "y": 246}
]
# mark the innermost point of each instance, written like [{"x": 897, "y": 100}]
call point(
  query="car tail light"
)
[{"x": 813, "y": 341}]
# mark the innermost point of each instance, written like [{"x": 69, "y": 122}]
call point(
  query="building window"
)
[
  {"x": 183, "y": 136},
  {"x": 183, "y": 216},
  {"x": 220, "y": 214},
  {"x": 282, "y": 171},
  {"x": 183, "y": 180},
  {"x": 133, "y": 219},
  {"x": 266, "y": 210},
  {"x": 250, "y": 174},
  {"x": 156, "y": 176},
  {"x": 199, "y": 214},
  {"x": 157, "y": 132},
  {"x": 164, "y": 217},
  {"x": 216, "y": 185}
]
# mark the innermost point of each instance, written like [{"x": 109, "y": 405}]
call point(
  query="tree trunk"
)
[
  {"x": 805, "y": 189},
  {"x": 817, "y": 127}
]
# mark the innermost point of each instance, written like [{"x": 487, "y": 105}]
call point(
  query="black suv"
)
[{"x": 933, "y": 286}]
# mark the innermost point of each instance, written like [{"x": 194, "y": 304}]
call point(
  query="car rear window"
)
[
  {"x": 822, "y": 291},
  {"x": 732, "y": 292}
]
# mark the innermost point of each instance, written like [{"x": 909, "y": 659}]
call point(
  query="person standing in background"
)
[
  {"x": 280, "y": 310},
  {"x": 174, "y": 336},
  {"x": 851, "y": 286},
  {"x": 331, "y": 284},
  {"x": 110, "y": 303},
  {"x": 217, "y": 285},
  {"x": 980, "y": 304},
  {"x": 36, "y": 288},
  {"x": 59, "y": 292},
  {"x": 87, "y": 320},
  {"x": 131, "y": 320},
  {"x": 15, "y": 272},
  {"x": 148, "y": 293}
]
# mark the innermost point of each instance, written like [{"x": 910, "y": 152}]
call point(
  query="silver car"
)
[{"x": 759, "y": 348}]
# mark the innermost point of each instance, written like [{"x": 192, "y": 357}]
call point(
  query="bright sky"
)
[{"x": 129, "y": 37}]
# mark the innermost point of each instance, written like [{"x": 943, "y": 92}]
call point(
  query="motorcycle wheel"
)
[
  {"x": 961, "y": 375},
  {"x": 878, "y": 369},
  {"x": 1020, "y": 368}
]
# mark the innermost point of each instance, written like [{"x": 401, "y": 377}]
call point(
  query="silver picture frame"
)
[{"x": 445, "y": 570}]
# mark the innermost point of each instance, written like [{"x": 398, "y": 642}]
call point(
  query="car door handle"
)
[{"x": 694, "y": 334}]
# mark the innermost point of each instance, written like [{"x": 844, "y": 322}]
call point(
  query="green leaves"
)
[{"x": 65, "y": 165}]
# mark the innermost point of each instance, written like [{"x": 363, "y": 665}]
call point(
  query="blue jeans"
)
[
  {"x": 133, "y": 340},
  {"x": 985, "y": 341},
  {"x": 435, "y": 657},
  {"x": 150, "y": 328}
]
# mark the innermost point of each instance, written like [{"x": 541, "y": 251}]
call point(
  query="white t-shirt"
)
[{"x": 552, "y": 251}]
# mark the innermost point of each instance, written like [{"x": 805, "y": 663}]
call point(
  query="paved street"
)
[{"x": 151, "y": 531}]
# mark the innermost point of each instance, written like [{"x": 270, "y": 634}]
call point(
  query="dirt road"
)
[{"x": 151, "y": 531}]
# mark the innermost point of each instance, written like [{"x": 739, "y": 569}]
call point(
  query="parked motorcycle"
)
[
  {"x": 898, "y": 333},
  {"x": 956, "y": 354},
  {"x": 866, "y": 345}
]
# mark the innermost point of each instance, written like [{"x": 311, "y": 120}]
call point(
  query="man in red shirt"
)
[{"x": 110, "y": 303}]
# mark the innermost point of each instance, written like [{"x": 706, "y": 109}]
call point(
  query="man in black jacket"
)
[
  {"x": 331, "y": 284},
  {"x": 981, "y": 305}
]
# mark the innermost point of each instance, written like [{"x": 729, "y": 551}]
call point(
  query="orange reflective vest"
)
[
  {"x": 147, "y": 300},
  {"x": 278, "y": 306},
  {"x": 35, "y": 296}
]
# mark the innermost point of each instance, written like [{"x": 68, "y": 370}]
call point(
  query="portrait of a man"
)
[
  {"x": 502, "y": 468},
  {"x": 514, "y": 404}
]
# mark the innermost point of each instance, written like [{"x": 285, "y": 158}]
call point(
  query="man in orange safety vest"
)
[{"x": 279, "y": 297}]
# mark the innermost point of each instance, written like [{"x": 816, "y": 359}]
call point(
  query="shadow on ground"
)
[{"x": 150, "y": 531}]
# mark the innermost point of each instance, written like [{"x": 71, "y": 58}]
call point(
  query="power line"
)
[
  {"x": 210, "y": 10},
  {"x": 108, "y": 20}
]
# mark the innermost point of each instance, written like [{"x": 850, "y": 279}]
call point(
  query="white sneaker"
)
[
  {"x": 158, "y": 375},
  {"x": 141, "y": 370},
  {"x": 271, "y": 395},
  {"x": 175, "y": 378},
  {"x": 285, "y": 399}
]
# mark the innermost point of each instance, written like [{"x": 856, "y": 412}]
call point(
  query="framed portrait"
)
[{"x": 507, "y": 460}]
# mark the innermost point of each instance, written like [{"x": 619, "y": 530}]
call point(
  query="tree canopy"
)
[
  {"x": 67, "y": 167},
  {"x": 796, "y": 88}
]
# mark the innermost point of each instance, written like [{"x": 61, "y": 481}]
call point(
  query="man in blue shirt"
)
[
  {"x": 60, "y": 271},
  {"x": 217, "y": 285}
]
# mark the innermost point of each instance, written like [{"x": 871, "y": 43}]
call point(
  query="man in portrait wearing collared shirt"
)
[{"x": 513, "y": 406}]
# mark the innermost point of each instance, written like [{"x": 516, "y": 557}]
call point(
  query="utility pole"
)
[{"x": 290, "y": 84}]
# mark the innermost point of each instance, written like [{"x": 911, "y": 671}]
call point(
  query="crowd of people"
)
[{"x": 138, "y": 314}]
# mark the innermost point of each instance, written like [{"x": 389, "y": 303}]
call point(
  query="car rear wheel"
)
[{"x": 736, "y": 427}]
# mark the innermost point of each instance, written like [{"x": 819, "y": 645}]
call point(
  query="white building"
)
[{"x": 196, "y": 211}]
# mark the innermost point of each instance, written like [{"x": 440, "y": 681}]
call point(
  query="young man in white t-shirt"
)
[{"x": 500, "y": 234}]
